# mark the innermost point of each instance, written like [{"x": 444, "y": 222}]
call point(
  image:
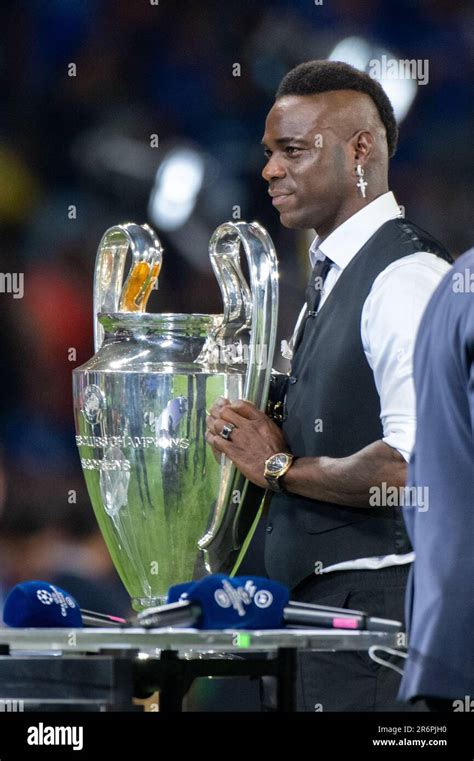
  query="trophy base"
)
[{"x": 142, "y": 603}]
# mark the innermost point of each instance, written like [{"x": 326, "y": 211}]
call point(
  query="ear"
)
[{"x": 362, "y": 144}]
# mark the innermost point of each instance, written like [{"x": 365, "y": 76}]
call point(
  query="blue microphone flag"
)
[
  {"x": 241, "y": 602},
  {"x": 38, "y": 603}
]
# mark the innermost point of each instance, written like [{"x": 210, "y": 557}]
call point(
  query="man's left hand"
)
[{"x": 254, "y": 438}]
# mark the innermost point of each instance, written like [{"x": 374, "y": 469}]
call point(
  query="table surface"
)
[{"x": 152, "y": 641}]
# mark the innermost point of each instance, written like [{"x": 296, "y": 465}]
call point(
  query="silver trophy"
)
[{"x": 168, "y": 510}]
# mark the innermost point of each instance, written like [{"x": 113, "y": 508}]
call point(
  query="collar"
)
[{"x": 346, "y": 240}]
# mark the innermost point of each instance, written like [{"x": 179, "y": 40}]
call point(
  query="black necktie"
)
[
  {"x": 313, "y": 294},
  {"x": 315, "y": 285}
]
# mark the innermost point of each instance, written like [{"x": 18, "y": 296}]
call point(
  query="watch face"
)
[{"x": 277, "y": 462}]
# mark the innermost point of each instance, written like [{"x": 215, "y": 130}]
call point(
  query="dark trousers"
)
[{"x": 350, "y": 681}]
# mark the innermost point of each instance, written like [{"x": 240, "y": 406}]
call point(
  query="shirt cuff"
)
[{"x": 402, "y": 442}]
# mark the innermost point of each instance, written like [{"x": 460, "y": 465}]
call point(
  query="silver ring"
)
[{"x": 226, "y": 431}]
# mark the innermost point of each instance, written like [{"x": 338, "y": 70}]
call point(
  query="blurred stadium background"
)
[{"x": 85, "y": 143}]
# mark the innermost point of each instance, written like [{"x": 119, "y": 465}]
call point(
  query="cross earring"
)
[{"x": 362, "y": 184}]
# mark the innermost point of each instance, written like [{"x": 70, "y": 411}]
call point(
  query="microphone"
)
[
  {"x": 40, "y": 604},
  {"x": 221, "y": 602},
  {"x": 251, "y": 602}
]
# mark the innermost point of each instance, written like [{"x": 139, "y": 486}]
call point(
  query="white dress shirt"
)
[{"x": 389, "y": 323}]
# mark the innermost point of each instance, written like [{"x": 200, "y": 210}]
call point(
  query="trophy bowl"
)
[{"x": 170, "y": 512}]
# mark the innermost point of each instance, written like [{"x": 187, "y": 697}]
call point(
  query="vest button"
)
[
  {"x": 293, "y": 379},
  {"x": 269, "y": 529}
]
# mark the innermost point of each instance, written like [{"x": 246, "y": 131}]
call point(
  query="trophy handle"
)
[
  {"x": 254, "y": 310},
  {"x": 109, "y": 291}
]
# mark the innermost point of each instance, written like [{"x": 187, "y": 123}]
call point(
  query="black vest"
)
[{"x": 331, "y": 381}]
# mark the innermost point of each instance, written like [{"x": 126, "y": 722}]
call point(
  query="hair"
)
[{"x": 314, "y": 77}]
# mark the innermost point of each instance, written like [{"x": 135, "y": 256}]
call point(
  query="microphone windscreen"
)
[
  {"x": 178, "y": 592},
  {"x": 38, "y": 603},
  {"x": 241, "y": 602}
]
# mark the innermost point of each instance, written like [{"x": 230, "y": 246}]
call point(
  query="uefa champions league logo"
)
[
  {"x": 48, "y": 598},
  {"x": 93, "y": 404},
  {"x": 44, "y": 596}
]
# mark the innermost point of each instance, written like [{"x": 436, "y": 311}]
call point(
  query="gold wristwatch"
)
[{"x": 275, "y": 468}]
